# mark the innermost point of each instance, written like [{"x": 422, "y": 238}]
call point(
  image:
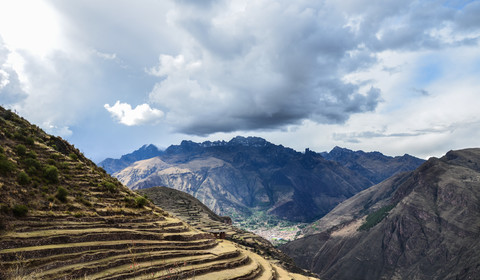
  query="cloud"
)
[
  {"x": 264, "y": 67},
  {"x": 11, "y": 91},
  {"x": 142, "y": 114},
  {"x": 261, "y": 66},
  {"x": 421, "y": 91}
]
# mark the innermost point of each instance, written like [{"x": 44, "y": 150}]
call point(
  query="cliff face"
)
[{"x": 423, "y": 224}]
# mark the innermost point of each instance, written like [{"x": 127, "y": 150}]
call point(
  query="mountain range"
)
[
  {"x": 423, "y": 224},
  {"x": 248, "y": 174}
]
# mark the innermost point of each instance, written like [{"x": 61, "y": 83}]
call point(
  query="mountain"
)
[
  {"x": 62, "y": 217},
  {"x": 423, "y": 224},
  {"x": 373, "y": 165},
  {"x": 113, "y": 165},
  {"x": 249, "y": 174}
]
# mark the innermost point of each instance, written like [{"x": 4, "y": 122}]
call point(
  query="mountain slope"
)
[
  {"x": 233, "y": 178},
  {"x": 423, "y": 224},
  {"x": 373, "y": 165},
  {"x": 62, "y": 217}
]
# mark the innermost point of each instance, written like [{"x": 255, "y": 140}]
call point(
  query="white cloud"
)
[
  {"x": 142, "y": 114},
  {"x": 30, "y": 25},
  {"x": 63, "y": 131}
]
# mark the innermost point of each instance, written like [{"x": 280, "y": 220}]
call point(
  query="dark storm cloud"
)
[
  {"x": 268, "y": 64},
  {"x": 262, "y": 68}
]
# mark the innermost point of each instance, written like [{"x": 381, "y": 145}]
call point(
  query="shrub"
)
[
  {"x": 52, "y": 162},
  {"x": 30, "y": 141},
  {"x": 19, "y": 136},
  {"x": 20, "y": 210},
  {"x": 61, "y": 194},
  {"x": 21, "y": 150},
  {"x": 73, "y": 156},
  {"x": 51, "y": 174},
  {"x": 32, "y": 165},
  {"x": 140, "y": 201},
  {"x": 7, "y": 115},
  {"x": 109, "y": 186},
  {"x": 6, "y": 166},
  {"x": 23, "y": 178}
]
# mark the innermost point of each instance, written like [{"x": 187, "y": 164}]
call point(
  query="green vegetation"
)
[
  {"x": 109, "y": 186},
  {"x": 29, "y": 141},
  {"x": 23, "y": 178},
  {"x": 73, "y": 156},
  {"x": 32, "y": 165},
  {"x": 376, "y": 217},
  {"x": 140, "y": 201},
  {"x": 51, "y": 174},
  {"x": 21, "y": 150},
  {"x": 61, "y": 194},
  {"x": 6, "y": 166},
  {"x": 20, "y": 210}
]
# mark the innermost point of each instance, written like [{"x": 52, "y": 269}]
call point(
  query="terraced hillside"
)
[
  {"x": 62, "y": 217},
  {"x": 191, "y": 210}
]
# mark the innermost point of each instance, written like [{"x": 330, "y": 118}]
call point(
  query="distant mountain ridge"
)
[
  {"x": 423, "y": 224},
  {"x": 373, "y": 165},
  {"x": 145, "y": 152},
  {"x": 251, "y": 174}
]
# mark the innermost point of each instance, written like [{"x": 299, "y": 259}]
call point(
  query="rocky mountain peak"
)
[{"x": 248, "y": 141}]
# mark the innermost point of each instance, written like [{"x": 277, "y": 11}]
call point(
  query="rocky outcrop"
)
[{"x": 423, "y": 224}]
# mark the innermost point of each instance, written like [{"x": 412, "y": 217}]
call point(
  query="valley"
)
[
  {"x": 265, "y": 188},
  {"x": 63, "y": 217}
]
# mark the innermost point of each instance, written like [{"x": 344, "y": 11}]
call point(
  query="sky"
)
[{"x": 112, "y": 75}]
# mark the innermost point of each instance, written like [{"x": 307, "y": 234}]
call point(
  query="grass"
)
[{"x": 376, "y": 217}]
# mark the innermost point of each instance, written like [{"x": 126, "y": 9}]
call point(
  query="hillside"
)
[
  {"x": 62, "y": 217},
  {"x": 423, "y": 224},
  {"x": 250, "y": 177},
  {"x": 196, "y": 214}
]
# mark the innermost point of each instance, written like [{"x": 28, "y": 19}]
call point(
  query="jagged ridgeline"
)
[{"x": 62, "y": 217}]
